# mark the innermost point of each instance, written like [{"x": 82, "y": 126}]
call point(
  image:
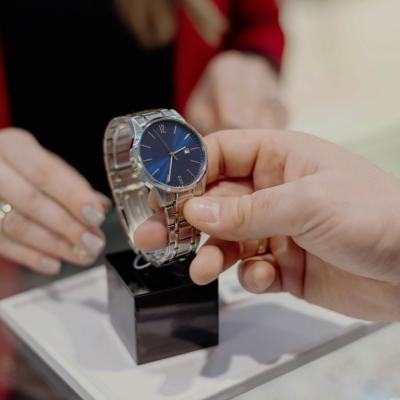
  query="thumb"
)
[{"x": 281, "y": 210}]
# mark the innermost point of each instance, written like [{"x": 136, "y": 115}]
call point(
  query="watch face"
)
[{"x": 172, "y": 153}]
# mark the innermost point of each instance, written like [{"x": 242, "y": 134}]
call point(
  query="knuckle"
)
[
  {"x": 314, "y": 195},
  {"x": 41, "y": 174},
  {"x": 243, "y": 212},
  {"x": 263, "y": 202},
  {"x": 33, "y": 200},
  {"x": 71, "y": 228},
  {"x": 15, "y": 225}
]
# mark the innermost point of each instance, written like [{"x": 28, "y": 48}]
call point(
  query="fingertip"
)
[
  {"x": 207, "y": 265},
  {"x": 105, "y": 202},
  {"x": 202, "y": 211},
  {"x": 151, "y": 235},
  {"x": 256, "y": 275}
]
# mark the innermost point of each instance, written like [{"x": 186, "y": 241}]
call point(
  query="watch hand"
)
[
  {"x": 182, "y": 148},
  {"x": 170, "y": 170},
  {"x": 166, "y": 146}
]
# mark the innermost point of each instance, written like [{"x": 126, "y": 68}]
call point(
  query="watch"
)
[{"x": 157, "y": 151}]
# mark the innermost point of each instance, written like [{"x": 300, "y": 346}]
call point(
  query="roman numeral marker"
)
[
  {"x": 180, "y": 179},
  {"x": 162, "y": 128}
]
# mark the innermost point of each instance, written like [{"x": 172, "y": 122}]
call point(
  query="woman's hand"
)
[
  {"x": 55, "y": 213},
  {"x": 332, "y": 219},
  {"x": 237, "y": 90}
]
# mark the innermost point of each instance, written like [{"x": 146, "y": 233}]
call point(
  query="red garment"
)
[
  {"x": 4, "y": 110},
  {"x": 254, "y": 25}
]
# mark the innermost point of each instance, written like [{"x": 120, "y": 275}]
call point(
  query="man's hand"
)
[
  {"x": 237, "y": 90},
  {"x": 332, "y": 219}
]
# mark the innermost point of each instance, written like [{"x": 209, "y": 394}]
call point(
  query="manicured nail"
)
[
  {"x": 204, "y": 210},
  {"x": 80, "y": 253},
  {"x": 92, "y": 216},
  {"x": 51, "y": 265},
  {"x": 93, "y": 243}
]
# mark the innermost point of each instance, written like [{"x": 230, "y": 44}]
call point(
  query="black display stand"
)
[{"x": 160, "y": 312}]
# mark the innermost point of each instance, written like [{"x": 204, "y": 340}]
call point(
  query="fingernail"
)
[
  {"x": 92, "y": 216},
  {"x": 51, "y": 265},
  {"x": 92, "y": 243},
  {"x": 80, "y": 253},
  {"x": 204, "y": 210},
  {"x": 259, "y": 278}
]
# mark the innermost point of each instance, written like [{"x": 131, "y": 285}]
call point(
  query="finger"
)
[
  {"x": 243, "y": 153},
  {"x": 52, "y": 175},
  {"x": 239, "y": 101},
  {"x": 208, "y": 19},
  {"x": 20, "y": 229},
  {"x": 31, "y": 202},
  {"x": 200, "y": 111},
  {"x": 259, "y": 274},
  {"x": 281, "y": 210},
  {"x": 207, "y": 264},
  {"x": 273, "y": 116},
  {"x": 105, "y": 201},
  {"x": 228, "y": 104},
  {"x": 152, "y": 234},
  {"x": 153, "y": 202},
  {"x": 236, "y": 108},
  {"x": 291, "y": 260},
  {"x": 216, "y": 256},
  {"x": 33, "y": 259},
  {"x": 230, "y": 187}
]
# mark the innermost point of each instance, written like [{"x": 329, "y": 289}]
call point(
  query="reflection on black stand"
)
[{"x": 160, "y": 312}]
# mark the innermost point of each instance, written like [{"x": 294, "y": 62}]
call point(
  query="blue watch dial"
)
[{"x": 172, "y": 153}]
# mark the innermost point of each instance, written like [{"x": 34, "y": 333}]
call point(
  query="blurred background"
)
[
  {"x": 340, "y": 80},
  {"x": 341, "y": 76}
]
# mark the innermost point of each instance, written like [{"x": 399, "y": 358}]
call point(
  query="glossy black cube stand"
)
[{"x": 160, "y": 312}]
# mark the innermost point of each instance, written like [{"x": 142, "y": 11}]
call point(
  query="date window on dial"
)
[{"x": 186, "y": 150}]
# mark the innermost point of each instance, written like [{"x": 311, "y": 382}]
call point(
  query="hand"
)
[
  {"x": 237, "y": 90},
  {"x": 332, "y": 219},
  {"x": 56, "y": 214}
]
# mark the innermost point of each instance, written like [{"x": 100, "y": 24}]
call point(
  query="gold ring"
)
[
  {"x": 262, "y": 246},
  {"x": 5, "y": 208}
]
